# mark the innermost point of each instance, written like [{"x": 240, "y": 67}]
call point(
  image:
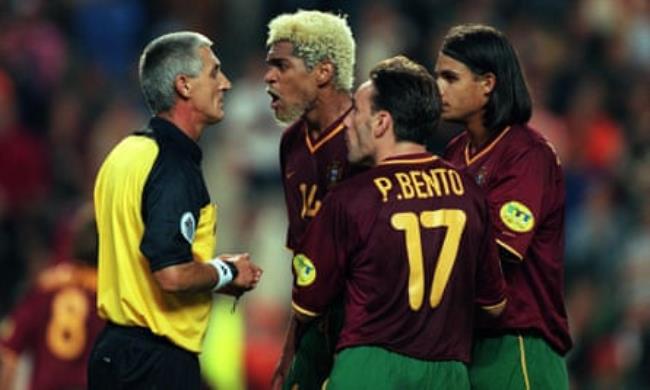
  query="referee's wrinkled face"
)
[{"x": 208, "y": 88}]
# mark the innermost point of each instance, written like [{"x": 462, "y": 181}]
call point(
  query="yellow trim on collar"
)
[
  {"x": 409, "y": 161},
  {"x": 314, "y": 148},
  {"x": 470, "y": 160}
]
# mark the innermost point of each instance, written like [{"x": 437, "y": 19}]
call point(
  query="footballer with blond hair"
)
[{"x": 310, "y": 65}]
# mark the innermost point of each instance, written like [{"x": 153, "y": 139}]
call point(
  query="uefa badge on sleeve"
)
[
  {"x": 188, "y": 226},
  {"x": 305, "y": 270},
  {"x": 517, "y": 216}
]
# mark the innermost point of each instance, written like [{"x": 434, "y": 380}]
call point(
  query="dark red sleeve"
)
[
  {"x": 21, "y": 328},
  {"x": 516, "y": 200},
  {"x": 320, "y": 261},
  {"x": 283, "y": 147},
  {"x": 490, "y": 283}
]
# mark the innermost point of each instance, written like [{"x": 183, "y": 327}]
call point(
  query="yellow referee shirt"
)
[{"x": 153, "y": 211}]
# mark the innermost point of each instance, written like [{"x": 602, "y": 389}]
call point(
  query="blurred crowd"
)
[{"x": 69, "y": 92}]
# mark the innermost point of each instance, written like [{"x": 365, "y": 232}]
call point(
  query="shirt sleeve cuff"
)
[
  {"x": 495, "y": 306},
  {"x": 510, "y": 250},
  {"x": 303, "y": 311}
]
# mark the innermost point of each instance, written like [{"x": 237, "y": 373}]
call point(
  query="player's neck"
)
[
  {"x": 327, "y": 109},
  {"x": 478, "y": 134},
  {"x": 399, "y": 149},
  {"x": 183, "y": 119}
]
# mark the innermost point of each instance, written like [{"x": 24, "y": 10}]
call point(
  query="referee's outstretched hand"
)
[{"x": 248, "y": 274}]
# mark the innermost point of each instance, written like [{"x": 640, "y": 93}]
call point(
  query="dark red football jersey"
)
[
  {"x": 408, "y": 243},
  {"x": 309, "y": 169},
  {"x": 57, "y": 323},
  {"x": 524, "y": 183}
]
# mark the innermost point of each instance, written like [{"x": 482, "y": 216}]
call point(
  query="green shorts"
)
[
  {"x": 312, "y": 362},
  {"x": 375, "y": 368},
  {"x": 516, "y": 362}
]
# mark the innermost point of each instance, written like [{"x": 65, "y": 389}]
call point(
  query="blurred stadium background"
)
[{"x": 69, "y": 92}]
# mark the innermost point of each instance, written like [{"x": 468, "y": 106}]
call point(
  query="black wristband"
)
[{"x": 233, "y": 268}]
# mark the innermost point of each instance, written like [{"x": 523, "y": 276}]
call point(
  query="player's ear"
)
[
  {"x": 324, "y": 73},
  {"x": 384, "y": 122},
  {"x": 488, "y": 82},
  {"x": 183, "y": 86}
]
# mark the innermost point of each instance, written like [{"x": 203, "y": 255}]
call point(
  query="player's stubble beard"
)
[{"x": 291, "y": 113}]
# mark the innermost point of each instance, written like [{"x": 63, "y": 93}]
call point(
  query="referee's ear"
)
[{"x": 183, "y": 86}]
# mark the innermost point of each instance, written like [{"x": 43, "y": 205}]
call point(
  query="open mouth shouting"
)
[{"x": 275, "y": 98}]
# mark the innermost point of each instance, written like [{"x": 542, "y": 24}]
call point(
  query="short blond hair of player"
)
[{"x": 317, "y": 36}]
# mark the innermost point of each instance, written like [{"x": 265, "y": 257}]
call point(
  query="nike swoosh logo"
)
[{"x": 289, "y": 174}]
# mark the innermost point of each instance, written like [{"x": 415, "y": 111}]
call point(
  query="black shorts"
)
[{"x": 134, "y": 358}]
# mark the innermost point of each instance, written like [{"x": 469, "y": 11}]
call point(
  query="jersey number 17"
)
[{"x": 410, "y": 223}]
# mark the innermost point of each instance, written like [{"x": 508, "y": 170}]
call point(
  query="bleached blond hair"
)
[{"x": 316, "y": 37}]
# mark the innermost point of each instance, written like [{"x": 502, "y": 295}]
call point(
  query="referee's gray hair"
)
[{"x": 162, "y": 60}]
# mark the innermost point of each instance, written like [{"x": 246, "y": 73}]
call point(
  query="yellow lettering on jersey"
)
[
  {"x": 456, "y": 183},
  {"x": 423, "y": 185},
  {"x": 383, "y": 185},
  {"x": 405, "y": 184},
  {"x": 420, "y": 186},
  {"x": 310, "y": 205},
  {"x": 432, "y": 183},
  {"x": 441, "y": 174}
]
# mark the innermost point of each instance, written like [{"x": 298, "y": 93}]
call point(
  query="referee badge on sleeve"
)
[{"x": 188, "y": 226}]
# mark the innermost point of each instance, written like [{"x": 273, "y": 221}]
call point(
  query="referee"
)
[{"x": 157, "y": 228}]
